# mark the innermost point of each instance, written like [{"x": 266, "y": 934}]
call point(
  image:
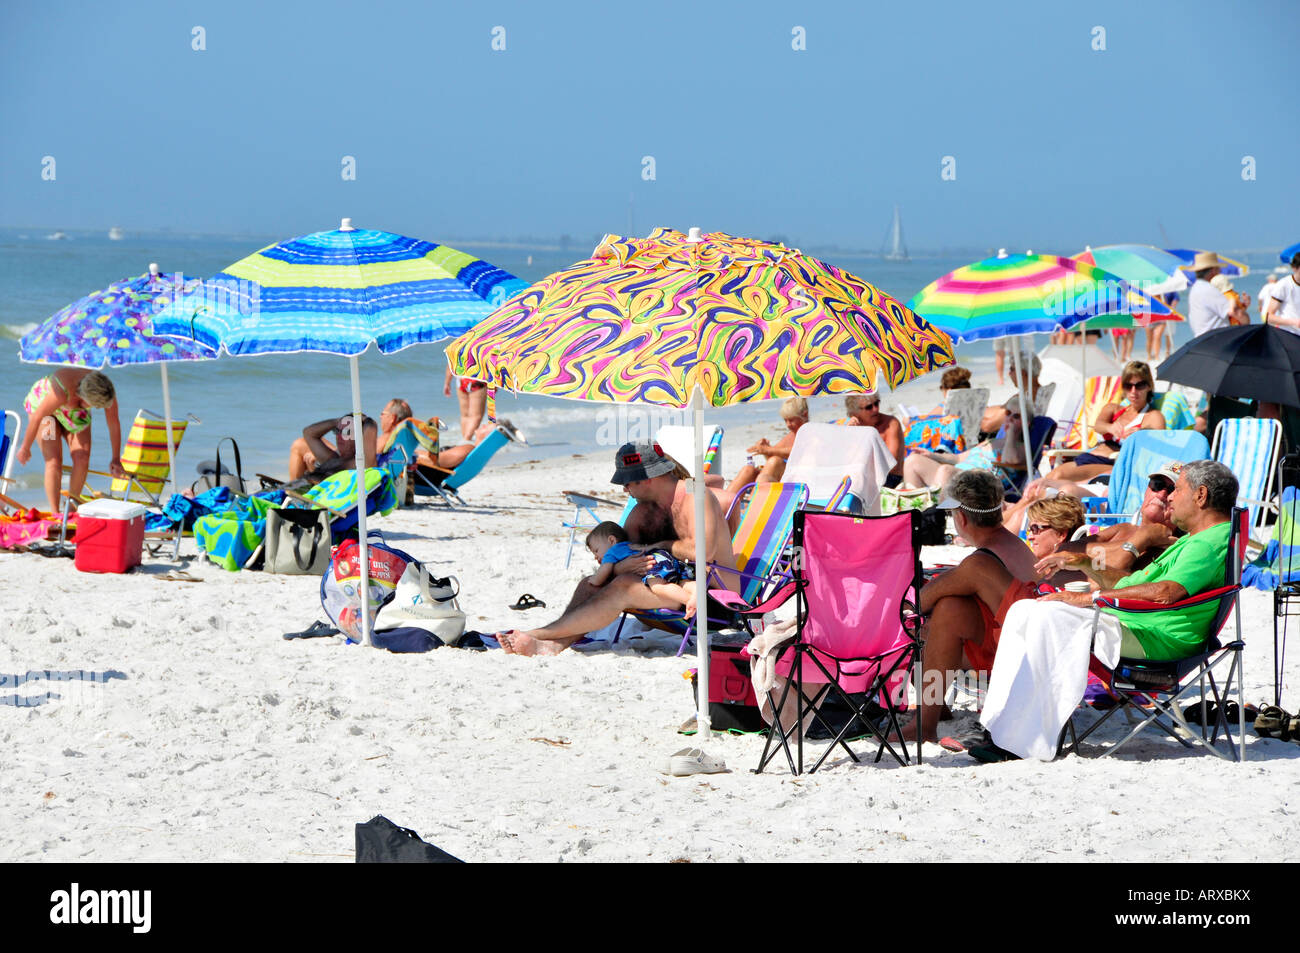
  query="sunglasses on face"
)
[
  {"x": 871, "y": 406},
  {"x": 1140, "y": 385},
  {"x": 1159, "y": 485},
  {"x": 1036, "y": 528}
]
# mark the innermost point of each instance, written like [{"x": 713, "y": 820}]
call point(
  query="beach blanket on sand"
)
[
  {"x": 1040, "y": 673},
  {"x": 21, "y": 528}
]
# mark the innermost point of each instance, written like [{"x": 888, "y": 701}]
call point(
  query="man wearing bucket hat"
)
[
  {"x": 1208, "y": 308},
  {"x": 663, "y": 521}
]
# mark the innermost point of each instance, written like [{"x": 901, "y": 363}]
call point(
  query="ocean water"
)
[{"x": 264, "y": 402}]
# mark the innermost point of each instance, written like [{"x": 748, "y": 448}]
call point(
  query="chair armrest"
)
[{"x": 1142, "y": 605}]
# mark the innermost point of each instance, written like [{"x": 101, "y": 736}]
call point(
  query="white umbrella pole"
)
[
  {"x": 171, "y": 446},
  {"x": 359, "y": 442},
  {"x": 1024, "y": 412},
  {"x": 702, "y": 724}
]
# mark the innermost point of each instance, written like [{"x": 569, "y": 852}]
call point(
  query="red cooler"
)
[{"x": 110, "y": 535}]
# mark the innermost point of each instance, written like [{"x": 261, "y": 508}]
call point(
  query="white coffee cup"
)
[{"x": 1081, "y": 586}]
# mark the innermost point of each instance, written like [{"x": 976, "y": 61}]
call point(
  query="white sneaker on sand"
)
[{"x": 690, "y": 761}]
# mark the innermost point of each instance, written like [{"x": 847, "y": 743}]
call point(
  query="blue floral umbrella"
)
[
  {"x": 338, "y": 292},
  {"x": 113, "y": 328}
]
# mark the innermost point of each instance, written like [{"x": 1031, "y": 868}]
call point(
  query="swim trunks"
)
[
  {"x": 981, "y": 654},
  {"x": 468, "y": 385},
  {"x": 71, "y": 419}
]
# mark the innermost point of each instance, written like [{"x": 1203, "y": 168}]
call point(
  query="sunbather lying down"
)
[
  {"x": 451, "y": 457},
  {"x": 663, "y": 520}
]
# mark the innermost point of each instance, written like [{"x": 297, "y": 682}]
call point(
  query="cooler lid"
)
[{"x": 111, "y": 510}]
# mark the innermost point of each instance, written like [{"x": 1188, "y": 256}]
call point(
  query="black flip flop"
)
[
  {"x": 529, "y": 601},
  {"x": 317, "y": 630}
]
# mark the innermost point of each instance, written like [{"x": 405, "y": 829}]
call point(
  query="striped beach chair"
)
[
  {"x": 759, "y": 543},
  {"x": 144, "y": 458},
  {"x": 1075, "y": 436},
  {"x": 1249, "y": 447}
]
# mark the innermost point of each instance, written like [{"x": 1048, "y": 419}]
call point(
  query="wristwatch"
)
[{"x": 1130, "y": 548}]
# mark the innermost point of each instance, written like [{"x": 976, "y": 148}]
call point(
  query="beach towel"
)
[
  {"x": 1280, "y": 561},
  {"x": 941, "y": 433},
  {"x": 23, "y": 527},
  {"x": 1177, "y": 412},
  {"x": 1040, "y": 673},
  {"x": 230, "y": 537}
]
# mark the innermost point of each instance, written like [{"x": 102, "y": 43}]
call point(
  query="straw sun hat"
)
[{"x": 1205, "y": 259}]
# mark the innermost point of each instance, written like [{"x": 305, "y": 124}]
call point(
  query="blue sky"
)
[{"x": 1055, "y": 144}]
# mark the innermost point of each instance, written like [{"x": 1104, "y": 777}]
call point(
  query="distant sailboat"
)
[
  {"x": 57, "y": 236},
  {"x": 897, "y": 250},
  {"x": 115, "y": 234}
]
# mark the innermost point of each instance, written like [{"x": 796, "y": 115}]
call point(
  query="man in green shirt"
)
[
  {"x": 1041, "y": 666},
  {"x": 1201, "y": 506}
]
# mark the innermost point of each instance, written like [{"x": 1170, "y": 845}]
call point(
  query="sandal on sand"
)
[
  {"x": 1273, "y": 722},
  {"x": 178, "y": 575},
  {"x": 974, "y": 738},
  {"x": 529, "y": 601},
  {"x": 991, "y": 754},
  {"x": 317, "y": 630},
  {"x": 690, "y": 761},
  {"x": 1231, "y": 713}
]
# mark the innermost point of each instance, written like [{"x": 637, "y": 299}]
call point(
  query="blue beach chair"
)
[
  {"x": 1249, "y": 447},
  {"x": 446, "y": 484}
]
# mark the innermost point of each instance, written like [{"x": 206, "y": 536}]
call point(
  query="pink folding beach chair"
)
[{"x": 857, "y": 581}]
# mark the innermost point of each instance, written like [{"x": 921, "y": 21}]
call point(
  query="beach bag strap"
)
[{"x": 239, "y": 466}]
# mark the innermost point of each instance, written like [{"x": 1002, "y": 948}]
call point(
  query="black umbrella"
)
[{"x": 1254, "y": 362}]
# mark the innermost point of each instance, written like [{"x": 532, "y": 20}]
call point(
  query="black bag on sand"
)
[
  {"x": 934, "y": 527},
  {"x": 380, "y": 841}
]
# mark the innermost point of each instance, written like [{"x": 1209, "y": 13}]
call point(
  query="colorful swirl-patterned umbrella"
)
[
  {"x": 683, "y": 321},
  {"x": 113, "y": 327},
  {"x": 1229, "y": 266},
  {"x": 651, "y": 319},
  {"x": 1031, "y": 294},
  {"x": 336, "y": 292}
]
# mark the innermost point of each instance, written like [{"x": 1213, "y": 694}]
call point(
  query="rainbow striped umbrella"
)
[
  {"x": 651, "y": 320},
  {"x": 338, "y": 292},
  {"x": 1153, "y": 270},
  {"x": 1029, "y": 294},
  {"x": 1229, "y": 266},
  {"x": 682, "y": 320}
]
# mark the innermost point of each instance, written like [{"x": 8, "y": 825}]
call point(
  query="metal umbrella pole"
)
[
  {"x": 359, "y": 446},
  {"x": 702, "y": 723}
]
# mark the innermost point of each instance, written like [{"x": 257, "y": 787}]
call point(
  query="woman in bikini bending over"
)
[
  {"x": 1114, "y": 423},
  {"x": 58, "y": 411}
]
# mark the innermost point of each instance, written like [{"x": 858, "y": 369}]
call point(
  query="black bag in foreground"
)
[{"x": 380, "y": 841}]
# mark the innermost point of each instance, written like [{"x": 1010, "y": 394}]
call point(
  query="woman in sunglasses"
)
[
  {"x": 1051, "y": 523},
  {"x": 1114, "y": 422}
]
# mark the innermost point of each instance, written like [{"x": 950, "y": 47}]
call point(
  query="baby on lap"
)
[{"x": 672, "y": 578}]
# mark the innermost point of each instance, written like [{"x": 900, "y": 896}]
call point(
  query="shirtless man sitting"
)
[
  {"x": 1126, "y": 547},
  {"x": 663, "y": 519},
  {"x": 316, "y": 458},
  {"x": 965, "y": 606},
  {"x": 864, "y": 411}
]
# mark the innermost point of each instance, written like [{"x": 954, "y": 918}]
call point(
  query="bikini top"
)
[{"x": 1133, "y": 425}]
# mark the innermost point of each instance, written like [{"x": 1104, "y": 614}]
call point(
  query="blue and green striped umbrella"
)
[{"x": 337, "y": 292}]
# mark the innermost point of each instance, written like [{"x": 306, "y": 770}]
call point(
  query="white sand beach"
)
[{"x": 176, "y": 724}]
